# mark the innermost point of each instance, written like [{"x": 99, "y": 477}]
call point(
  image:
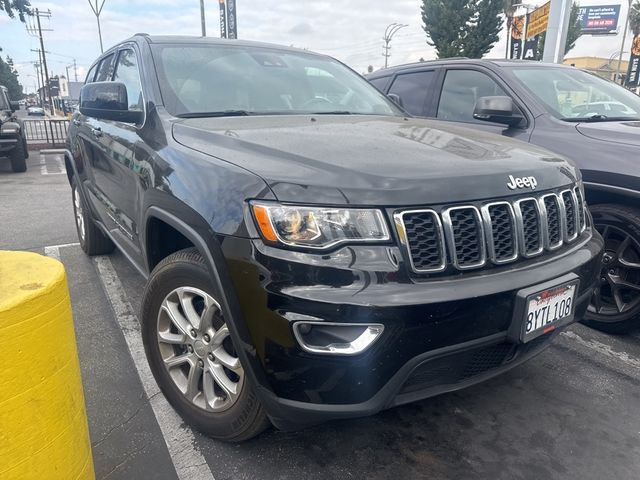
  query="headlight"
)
[{"x": 318, "y": 227}]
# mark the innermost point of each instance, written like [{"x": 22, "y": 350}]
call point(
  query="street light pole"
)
[
  {"x": 97, "y": 11},
  {"x": 389, "y": 32},
  {"x": 202, "y": 21},
  {"x": 624, "y": 40}
]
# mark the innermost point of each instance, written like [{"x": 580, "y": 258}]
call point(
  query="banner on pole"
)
[
  {"x": 633, "y": 73},
  {"x": 517, "y": 25},
  {"x": 232, "y": 24},
  {"x": 223, "y": 19}
]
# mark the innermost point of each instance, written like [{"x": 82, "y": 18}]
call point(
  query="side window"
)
[
  {"x": 127, "y": 73},
  {"x": 460, "y": 92},
  {"x": 414, "y": 89},
  {"x": 91, "y": 74},
  {"x": 105, "y": 70},
  {"x": 379, "y": 83}
]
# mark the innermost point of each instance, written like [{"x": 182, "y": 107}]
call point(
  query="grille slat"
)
[
  {"x": 424, "y": 234},
  {"x": 530, "y": 229},
  {"x": 554, "y": 223},
  {"x": 571, "y": 213},
  {"x": 465, "y": 237}
]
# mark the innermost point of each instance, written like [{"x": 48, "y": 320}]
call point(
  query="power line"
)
[{"x": 37, "y": 14}]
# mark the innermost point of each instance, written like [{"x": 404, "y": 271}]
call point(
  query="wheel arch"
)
[
  {"x": 202, "y": 238},
  {"x": 597, "y": 194}
]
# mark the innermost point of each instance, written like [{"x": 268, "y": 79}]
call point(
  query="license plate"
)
[{"x": 548, "y": 308}]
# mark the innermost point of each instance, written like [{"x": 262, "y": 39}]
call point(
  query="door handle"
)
[
  {"x": 76, "y": 122},
  {"x": 97, "y": 132}
]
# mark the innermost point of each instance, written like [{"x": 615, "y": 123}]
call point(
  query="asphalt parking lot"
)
[{"x": 570, "y": 413}]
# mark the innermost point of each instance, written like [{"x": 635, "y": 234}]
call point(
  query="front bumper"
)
[{"x": 440, "y": 334}]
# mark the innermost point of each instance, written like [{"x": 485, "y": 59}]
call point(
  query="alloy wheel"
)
[
  {"x": 197, "y": 350},
  {"x": 618, "y": 291}
]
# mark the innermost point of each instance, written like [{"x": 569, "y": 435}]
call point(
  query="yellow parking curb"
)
[{"x": 43, "y": 423}]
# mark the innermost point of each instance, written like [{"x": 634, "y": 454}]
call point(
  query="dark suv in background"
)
[
  {"x": 13, "y": 143},
  {"x": 311, "y": 253},
  {"x": 594, "y": 122}
]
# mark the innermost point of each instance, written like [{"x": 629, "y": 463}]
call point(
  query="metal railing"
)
[{"x": 49, "y": 131}]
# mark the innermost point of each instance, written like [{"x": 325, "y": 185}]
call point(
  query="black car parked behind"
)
[{"x": 592, "y": 121}]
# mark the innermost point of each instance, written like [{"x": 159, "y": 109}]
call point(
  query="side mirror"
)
[
  {"x": 108, "y": 101},
  {"x": 497, "y": 110},
  {"x": 14, "y": 106},
  {"x": 395, "y": 99}
]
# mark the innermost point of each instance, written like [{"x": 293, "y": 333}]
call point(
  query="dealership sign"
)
[
  {"x": 538, "y": 20},
  {"x": 599, "y": 20}
]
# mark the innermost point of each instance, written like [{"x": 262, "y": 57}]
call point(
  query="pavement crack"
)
[
  {"x": 129, "y": 457},
  {"x": 112, "y": 429}
]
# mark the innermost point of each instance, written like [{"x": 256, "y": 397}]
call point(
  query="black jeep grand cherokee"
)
[{"x": 311, "y": 253}]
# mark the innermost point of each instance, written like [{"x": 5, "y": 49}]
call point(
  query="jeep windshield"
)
[
  {"x": 234, "y": 80},
  {"x": 576, "y": 96}
]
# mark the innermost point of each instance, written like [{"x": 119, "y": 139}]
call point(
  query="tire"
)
[
  {"x": 615, "y": 306},
  {"x": 18, "y": 157},
  {"x": 93, "y": 241},
  {"x": 182, "y": 284}
]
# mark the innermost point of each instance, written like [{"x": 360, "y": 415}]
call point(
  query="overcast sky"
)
[{"x": 350, "y": 30}]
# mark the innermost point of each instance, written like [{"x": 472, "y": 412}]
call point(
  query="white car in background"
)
[{"x": 35, "y": 111}]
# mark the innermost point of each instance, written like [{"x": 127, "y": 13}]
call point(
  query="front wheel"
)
[
  {"x": 191, "y": 353},
  {"x": 615, "y": 305}
]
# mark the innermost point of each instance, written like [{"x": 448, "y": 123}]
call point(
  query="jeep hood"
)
[
  {"x": 614, "y": 132},
  {"x": 373, "y": 160}
]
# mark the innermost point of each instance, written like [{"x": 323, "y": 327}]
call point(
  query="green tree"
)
[
  {"x": 634, "y": 18},
  {"x": 467, "y": 28},
  {"x": 9, "y": 78},
  {"x": 11, "y": 7},
  {"x": 574, "y": 31}
]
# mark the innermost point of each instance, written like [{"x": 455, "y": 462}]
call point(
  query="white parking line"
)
[
  {"x": 187, "y": 460},
  {"x": 603, "y": 349},
  {"x": 179, "y": 438},
  {"x": 54, "y": 250},
  {"x": 44, "y": 168}
]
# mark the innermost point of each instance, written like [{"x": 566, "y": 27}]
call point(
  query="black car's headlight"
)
[{"x": 318, "y": 227}]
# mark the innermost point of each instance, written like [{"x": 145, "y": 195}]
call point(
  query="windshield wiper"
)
[
  {"x": 221, "y": 113},
  {"x": 334, "y": 112},
  {"x": 600, "y": 118}
]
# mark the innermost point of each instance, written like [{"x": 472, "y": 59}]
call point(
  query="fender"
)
[{"x": 208, "y": 245}]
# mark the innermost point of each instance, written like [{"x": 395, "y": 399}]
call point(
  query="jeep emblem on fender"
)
[{"x": 522, "y": 182}]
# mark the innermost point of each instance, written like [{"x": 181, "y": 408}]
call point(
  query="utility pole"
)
[
  {"x": 202, "y": 20},
  {"x": 390, "y": 31},
  {"x": 97, "y": 10},
  {"x": 36, "y": 31},
  {"x": 624, "y": 40}
]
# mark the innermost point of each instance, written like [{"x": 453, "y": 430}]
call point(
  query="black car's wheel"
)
[
  {"x": 615, "y": 305},
  {"x": 191, "y": 353},
  {"x": 92, "y": 240},
  {"x": 18, "y": 157}
]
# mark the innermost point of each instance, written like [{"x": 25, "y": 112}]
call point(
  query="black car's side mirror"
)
[
  {"x": 497, "y": 110},
  {"x": 395, "y": 99},
  {"x": 14, "y": 106},
  {"x": 108, "y": 101}
]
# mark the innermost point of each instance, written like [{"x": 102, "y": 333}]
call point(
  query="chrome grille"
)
[
  {"x": 554, "y": 222},
  {"x": 469, "y": 236}
]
